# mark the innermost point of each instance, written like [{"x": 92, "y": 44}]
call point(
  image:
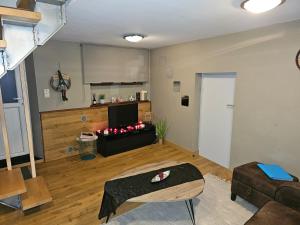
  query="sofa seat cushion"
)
[
  {"x": 250, "y": 194},
  {"x": 254, "y": 177},
  {"x": 274, "y": 213},
  {"x": 289, "y": 194}
]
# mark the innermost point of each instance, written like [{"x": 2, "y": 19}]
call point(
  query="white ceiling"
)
[{"x": 164, "y": 22}]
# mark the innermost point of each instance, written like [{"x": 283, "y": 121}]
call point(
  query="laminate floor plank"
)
[{"x": 77, "y": 186}]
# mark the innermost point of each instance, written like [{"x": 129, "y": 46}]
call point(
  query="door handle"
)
[
  {"x": 230, "y": 105},
  {"x": 20, "y": 100}
]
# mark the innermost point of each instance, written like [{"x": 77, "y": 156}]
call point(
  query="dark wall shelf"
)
[
  {"x": 114, "y": 83},
  {"x": 116, "y": 103}
]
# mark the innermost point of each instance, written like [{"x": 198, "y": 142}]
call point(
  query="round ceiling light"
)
[
  {"x": 134, "y": 37},
  {"x": 260, "y": 6}
]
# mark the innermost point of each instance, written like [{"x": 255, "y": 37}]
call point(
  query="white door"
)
[
  {"x": 14, "y": 115},
  {"x": 216, "y": 113}
]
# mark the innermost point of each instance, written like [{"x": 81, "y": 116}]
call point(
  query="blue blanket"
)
[{"x": 275, "y": 172}]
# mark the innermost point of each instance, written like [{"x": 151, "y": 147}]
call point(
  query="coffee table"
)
[{"x": 183, "y": 192}]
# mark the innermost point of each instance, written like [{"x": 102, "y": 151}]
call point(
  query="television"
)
[{"x": 122, "y": 115}]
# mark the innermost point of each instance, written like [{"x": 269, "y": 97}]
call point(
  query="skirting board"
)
[
  {"x": 181, "y": 148},
  {"x": 184, "y": 149}
]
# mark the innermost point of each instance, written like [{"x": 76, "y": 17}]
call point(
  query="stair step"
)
[
  {"x": 12, "y": 183},
  {"x": 37, "y": 193},
  {"x": 19, "y": 15},
  {"x": 2, "y": 44}
]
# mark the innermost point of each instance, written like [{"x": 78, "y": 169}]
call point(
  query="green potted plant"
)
[
  {"x": 102, "y": 99},
  {"x": 161, "y": 130}
]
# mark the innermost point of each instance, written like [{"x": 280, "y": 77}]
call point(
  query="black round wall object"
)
[{"x": 298, "y": 59}]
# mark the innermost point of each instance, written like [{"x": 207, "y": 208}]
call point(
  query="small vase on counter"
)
[
  {"x": 161, "y": 141},
  {"x": 131, "y": 98},
  {"x": 102, "y": 99},
  {"x": 94, "y": 102},
  {"x": 161, "y": 130}
]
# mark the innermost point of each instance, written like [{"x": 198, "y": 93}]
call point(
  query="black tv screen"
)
[{"x": 122, "y": 115}]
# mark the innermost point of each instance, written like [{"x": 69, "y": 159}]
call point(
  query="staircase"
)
[{"x": 23, "y": 28}]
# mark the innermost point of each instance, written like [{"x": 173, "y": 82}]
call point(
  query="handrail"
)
[
  {"x": 2, "y": 45},
  {"x": 19, "y": 15}
]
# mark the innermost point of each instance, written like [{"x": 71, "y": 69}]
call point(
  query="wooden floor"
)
[{"x": 77, "y": 186}]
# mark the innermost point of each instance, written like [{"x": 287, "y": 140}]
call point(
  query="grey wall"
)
[
  {"x": 103, "y": 63},
  {"x": 34, "y": 109},
  {"x": 266, "y": 116},
  {"x": 46, "y": 60},
  {"x": 68, "y": 55}
]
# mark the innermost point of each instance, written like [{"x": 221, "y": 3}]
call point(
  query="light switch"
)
[{"x": 46, "y": 93}]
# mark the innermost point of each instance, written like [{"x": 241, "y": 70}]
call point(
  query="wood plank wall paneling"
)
[{"x": 60, "y": 128}]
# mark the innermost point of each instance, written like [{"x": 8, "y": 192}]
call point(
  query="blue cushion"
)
[{"x": 275, "y": 172}]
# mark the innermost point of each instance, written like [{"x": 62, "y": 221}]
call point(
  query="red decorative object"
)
[
  {"x": 130, "y": 128},
  {"x": 161, "y": 176},
  {"x": 123, "y": 130}
]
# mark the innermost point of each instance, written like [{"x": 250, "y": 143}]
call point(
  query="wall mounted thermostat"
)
[
  {"x": 185, "y": 100},
  {"x": 176, "y": 86}
]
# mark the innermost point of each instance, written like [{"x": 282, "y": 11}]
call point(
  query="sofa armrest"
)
[
  {"x": 288, "y": 194},
  {"x": 295, "y": 179}
]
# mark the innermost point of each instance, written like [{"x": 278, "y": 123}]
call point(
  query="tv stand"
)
[{"x": 117, "y": 142}]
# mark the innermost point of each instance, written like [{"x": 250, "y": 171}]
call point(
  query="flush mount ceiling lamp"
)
[
  {"x": 260, "y": 6},
  {"x": 133, "y": 37}
]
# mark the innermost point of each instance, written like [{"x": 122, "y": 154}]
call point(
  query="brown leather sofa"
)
[
  {"x": 274, "y": 213},
  {"x": 274, "y": 198}
]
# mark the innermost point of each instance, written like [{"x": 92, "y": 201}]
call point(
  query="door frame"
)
[
  {"x": 199, "y": 87},
  {"x": 20, "y": 105}
]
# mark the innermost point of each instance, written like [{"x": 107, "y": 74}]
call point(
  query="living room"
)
[{"x": 108, "y": 96}]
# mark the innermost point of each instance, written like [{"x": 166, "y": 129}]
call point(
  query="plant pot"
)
[
  {"x": 161, "y": 141},
  {"x": 102, "y": 101}
]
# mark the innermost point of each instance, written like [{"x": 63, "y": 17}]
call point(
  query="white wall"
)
[{"x": 266, "y": 120}]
